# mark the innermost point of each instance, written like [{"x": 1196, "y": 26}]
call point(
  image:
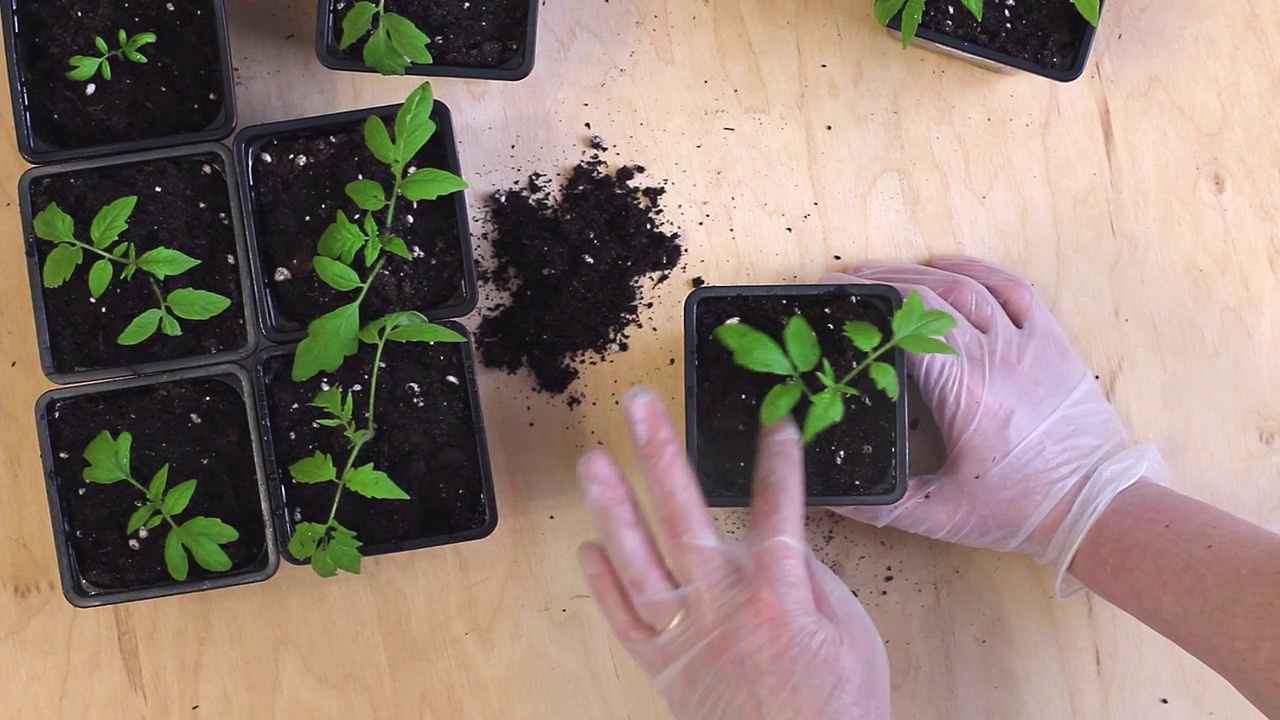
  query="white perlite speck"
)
[
  {"x": 90, "y": 89},
  {"x": 452, "y": 379},
  {"x": 282, "y": 274}
]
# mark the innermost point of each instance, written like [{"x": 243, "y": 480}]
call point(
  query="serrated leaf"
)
[
  {"x": 111, "y": 221},
  {"x": 61, "y": 264},
  {"x": 192, "y": 304},
  {"x": 175, "y": 558},
  {"x": 367, "y": 194},
  {"x": 330, "y": 339},
  {"x": 885, "y": 376},
  {"x": 356, "y": 23},
  {"x": 341, "y": 240},
  {"x": 101, "y": 44},
  {"x": 139, "y": 518},
  {"x": 413, "y": 124},
  {"x": 52, "y": 223},
  {"x": 100, "y": 276},
  {"x": 801, "y": 343},
  {"x": 177, "y": 499},
  {"x": 322, "y": 563},
  {"x": 164, "y": 262},
  {"x": 305, "y": 536},
  {"x": 315, "y": 469},
  {"x": 779, "y": 401},
  {"x": 911, "y": 16},
  {"x": 430, "y": 183},
  {"x": 104, "y": 455},
  {"x": 1091, "y": 10},
  {"x": 406, "y": 38},
  {"x": 425, "y": 332},
  {"x": 343, "y": 550},
  {"x": 155, "y": 489},
  {"x": 974, "y": 6},
  {"x": 203, "y": 537},
  {"x": 886, "y": 9},
  {"x": 920, "y": 345},
  {"x": 380, "y": 55},
  {"x": 371, "y": 483},
  {"x": 142, "y": 327},
  {"x": 370, "y": 333},
  {"x": 330, "y": 401},
  {"x": 864, "y": 336},
  {"x": 913, "y": 318},
  {"x": 825, "y": 409},
  {"x": 753, "y": 349},
  {"x": 335, "y": 274},
  {"x": 372, "y": 249},
  {"x": 378, "y": 140},
  {"x": 83, "y": 67},
  {"x": 169, "y": 326},
  {"x": 212, "y": 528}
]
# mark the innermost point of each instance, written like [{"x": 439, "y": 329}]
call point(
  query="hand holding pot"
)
[
  {"x": 752, "y": 630},
  {"x": 1035, "y": 451}
]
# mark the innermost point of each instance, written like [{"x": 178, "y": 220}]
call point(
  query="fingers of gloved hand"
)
[
  {"x": 1014, "y": 294},
  {"x": 964, "y": 294},
  {"x": 837, "y": 603},
  {"x": 684, "y": 526},
  {"x": 612, "y": 597},
  {"x": 900, "y": 514},
  {"x": 776, "y": 534},
  {"x": 633, "y": 554}
]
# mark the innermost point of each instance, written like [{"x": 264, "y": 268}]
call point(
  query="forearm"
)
[{"x": 1205, "y": 579}]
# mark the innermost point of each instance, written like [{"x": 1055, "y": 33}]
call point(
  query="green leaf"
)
[
  {"x": 975, "y": 7},
  {"x": 395, "y": 245},
  {"x": 135, "y": 56},
  {"x": 372, "y": 249},
  {"x": 423, "y": 331},
  {"x": 378, "y": 140},
  {"x": 911, "y": 16},
  {"x": 83, "y": 67},
  {"x": 356, "y": 23},
  {"x": 191, "y": 304},
  {"x": 920, "y": 345},
  {"x": 1090, "y": 9},
  {"x": 341, "y": 240},
  {"x": 886, "y": 9},
  {"x": 322, "y": 563},
  {"x": 163, "y": 262},
  {"x": 371, "y": 332},
  {"x": 753, "y": 349},
  {"x": 779, "y": 401},
  {"x": 111, "y": 221},
  {"x": 155, "y": 490},
  {"x": 885, "y": 376},
  {"x": 142, "y": 327},
  {"x": 101, "y": 44},
  {"x": 373, "y": 483},
  {"x": 864, "y": 336},
  {"x": 105, "y": 67},
  {"x": 827, "y": 375},
  {"x": 913, "y": 318},
  {"x": 203, "y": 536},
  {"x": 335, "y": 274},
  {"x": 801, "y": 344},
  {"x": 177, "y": 499},
  {"x": 122, "y": 38},
  {"x": 367, "y": 194},
  {"x": 142, "y": 38},
  {"x": 825, "y": 409},
  {"x": 430, "y": 183},
  {"x": 413, "y": 124},
  {"x": 330, "y": 339},
  {"x": 406, "y": 38},
  {"x": 380, "y": 55},
  {"x": 154, "y": 521},
  {"x": 343, "y": 550},
  {"x": 61, "y": 264},
  {"x": 317, "y": 468},
  {"x": 330, "y": 401},
  {"x": 211, "y": 528},
  {"x": 175, "y": 558},
  {"x": 105, "y": 454},
  {"x": 53, "y": 224},
  {"x": 169, "y": 326},
  {"x": 139, "y": 518},
  {"x": 100, "y": 277},
  {"x": 305, "y": 536}
]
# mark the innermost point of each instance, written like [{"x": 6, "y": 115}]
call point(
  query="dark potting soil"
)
[
  {"x": 298, "y": 180},
  {"x": 855, "y": 457},
  {"x": 426, "y": 442},
  {"x": 464, "y": 33},
  {"x": 572, "y": 267},
  {"x": 1045, "y": 32},
  {"x": 201, "y": 429},
  {"x": 178, "y": 90},
  {"x": 183, "y": 204}
]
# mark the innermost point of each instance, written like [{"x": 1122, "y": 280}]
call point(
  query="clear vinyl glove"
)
[
  {"x": 1035, "y": 452},
  {"x": 752, "y": 630}
]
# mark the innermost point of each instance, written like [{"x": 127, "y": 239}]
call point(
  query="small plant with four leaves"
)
[
  {"x": 395, "y": 42},
  {"x": 84, "y": 67},
  {"x": 915, "y": 329},
  {"x": 201, "y": 537},
  {"x": 56, "y": 226},
  {"x": 913, "y": 12}
]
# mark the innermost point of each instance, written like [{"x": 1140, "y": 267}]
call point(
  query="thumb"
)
[{"x": 912, "y": 513}]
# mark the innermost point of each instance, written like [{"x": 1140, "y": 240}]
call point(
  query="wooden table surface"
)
[{"x": 1139, "y": 199}]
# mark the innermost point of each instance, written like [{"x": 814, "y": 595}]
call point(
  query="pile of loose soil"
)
[{"x": 572, "y": 267}]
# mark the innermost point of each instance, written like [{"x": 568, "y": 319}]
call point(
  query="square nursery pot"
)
[
  {"x": 293, "y": 175},
  {"x": 183, "y": 94},
  {"x": 187, "y": 201},
  {"x": 429, "y": 438},
  {"x": 200, "y": 423},
  {"x": 1048, "y": 38},
  {"x": 480, "y": 39},
  {"x": 860, "y": 461}
]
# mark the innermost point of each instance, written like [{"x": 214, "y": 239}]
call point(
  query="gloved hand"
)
[
  {"x": 752, "y": 630},
  {"x": 1035, "y": 452}
]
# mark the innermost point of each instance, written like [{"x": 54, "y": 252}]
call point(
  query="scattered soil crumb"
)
[{"x": 698, "y": 282}]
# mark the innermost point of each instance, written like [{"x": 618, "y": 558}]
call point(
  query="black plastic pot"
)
[
  {"x": 225, "y": 442},
  {"x": 480, "y": 487},
  {"x": 517, "y": 68},
  {"x": 93, "y": 138},
  {"x": 994, "y": 60},
  {"x": 861, "y": 461},
  {"x": 276, "y": 325},
  {"x": 159, "y": 354}
]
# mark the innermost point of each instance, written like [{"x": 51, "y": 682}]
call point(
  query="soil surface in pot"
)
[
  {"x": 1045, "y": 32},
  {"x": 464, "y": 33},
  {"x": 183, "y": 204},
  {"x": 201, "y": 429},
  {"x": 426, "y": 442},
  {"x": 178, "y": 90},
  {"x": 571, "y": 267},
  {"x": 297, "y": 188},
  {"x": 854, "y": 458}
]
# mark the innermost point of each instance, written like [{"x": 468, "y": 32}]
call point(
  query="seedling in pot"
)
[
  {"x": 915, "y": 329},
  {"x": 395, "y": 42},
  {"x": 913, "y": 11},
  {"x": 84, "y": 67},
  {"x": 201, "y": 537},
  {"x": 56, "y": 226}
]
